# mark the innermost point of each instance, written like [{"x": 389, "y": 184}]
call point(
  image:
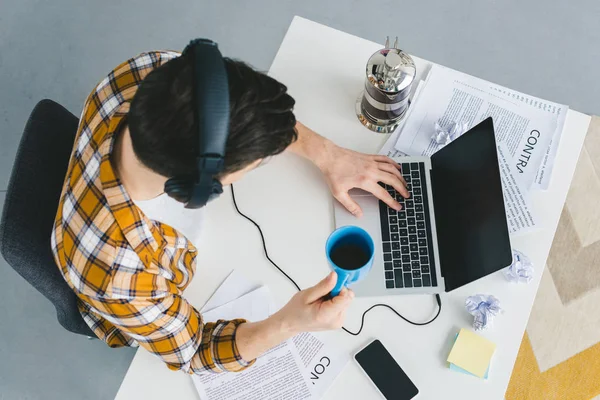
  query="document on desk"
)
[
  {"x": 453, "y": 96},
  {"x": 276, "y": 374},
  {"x": 519, "y": 215},
  {"x": 388, "y": 148},
  {"x": 553, "y": 110},
  {"x": 314, "y": 363},
  {"x": 233, "y": 287}
]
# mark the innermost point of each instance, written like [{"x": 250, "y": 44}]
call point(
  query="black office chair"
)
[{"x": 30, "y": 207}]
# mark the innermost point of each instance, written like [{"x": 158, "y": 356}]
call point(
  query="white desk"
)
[{"x": 292, "y": 203}]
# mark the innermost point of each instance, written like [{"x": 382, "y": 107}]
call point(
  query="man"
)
[{"x": 129, "y": 271}]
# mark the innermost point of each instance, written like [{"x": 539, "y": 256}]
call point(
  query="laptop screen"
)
[{"x": 470, "y": 217}]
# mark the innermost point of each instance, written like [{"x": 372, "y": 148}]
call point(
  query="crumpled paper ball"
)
[
  {"x": 484, "y": 308},
  {"x": 521, "y": 269},
  {"x": 449, "y": 132}
]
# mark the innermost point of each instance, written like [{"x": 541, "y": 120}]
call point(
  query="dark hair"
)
[{"x": 161, "y": 118}]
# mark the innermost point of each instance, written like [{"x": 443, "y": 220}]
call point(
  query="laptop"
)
[{"x": 452, "y": 229}]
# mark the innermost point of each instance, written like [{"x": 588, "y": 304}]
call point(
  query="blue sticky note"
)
[{"x": 459, "y": 369}]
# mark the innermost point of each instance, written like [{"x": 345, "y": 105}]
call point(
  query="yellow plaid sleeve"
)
[{"x": 174, "y": 330}]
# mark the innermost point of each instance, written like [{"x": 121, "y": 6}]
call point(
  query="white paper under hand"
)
[
  {"x": 233, "y": 287},
  {"x": 253, "y": 306},
  {"x": 276, "y": 374},
  {"x": 320, "y": 364}
]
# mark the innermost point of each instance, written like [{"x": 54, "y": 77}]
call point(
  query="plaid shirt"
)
[{"x": 128, "y": 271}]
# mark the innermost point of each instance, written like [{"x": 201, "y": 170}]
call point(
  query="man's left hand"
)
[{"x": 346, "y": 169}]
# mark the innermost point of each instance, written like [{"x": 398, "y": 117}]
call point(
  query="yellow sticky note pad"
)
[{"x": 472, "y": 353}]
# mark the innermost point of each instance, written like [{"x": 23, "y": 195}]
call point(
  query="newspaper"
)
[
  {"x": 302, "y": 367},
  {"x": 453, "y": 96},
  {"x": 519, "y": 215},
  {"x": 553, "y": 110},
  {"x": 276, "y": 374}
]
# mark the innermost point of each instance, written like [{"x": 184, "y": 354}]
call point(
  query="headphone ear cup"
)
[
  {"x": 179, "y": 189},
  {"x": 216, "y": 190}
]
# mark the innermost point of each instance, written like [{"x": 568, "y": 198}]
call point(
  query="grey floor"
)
[{"x": 59, "y": 49}]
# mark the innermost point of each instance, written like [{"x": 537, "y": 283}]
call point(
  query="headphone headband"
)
[
  {"x": 211, "y": 96},
  {"x": 211, "y": 120}
]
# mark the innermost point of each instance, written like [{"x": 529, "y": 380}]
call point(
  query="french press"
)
[{"x": 390, "y": 74}]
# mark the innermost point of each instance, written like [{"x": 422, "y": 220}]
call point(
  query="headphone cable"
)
[{"x": 362, "y": 322}]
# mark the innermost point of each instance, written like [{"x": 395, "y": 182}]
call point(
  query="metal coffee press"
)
[{"x": 383, "y": 103}]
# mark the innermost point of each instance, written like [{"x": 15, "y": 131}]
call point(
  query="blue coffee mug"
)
[{"x": 358, "y": 251}]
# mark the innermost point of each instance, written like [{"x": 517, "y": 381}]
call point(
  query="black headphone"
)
[{"x": 211, "y": 117}]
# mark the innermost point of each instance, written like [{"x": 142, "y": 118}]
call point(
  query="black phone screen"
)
[{"x": 385, "y": 372}]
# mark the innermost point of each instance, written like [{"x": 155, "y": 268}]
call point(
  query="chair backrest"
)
[{"x": 30, "y": 208}]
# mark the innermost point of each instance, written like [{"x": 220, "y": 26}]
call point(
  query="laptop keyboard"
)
[{"x": 407, "y": 245}]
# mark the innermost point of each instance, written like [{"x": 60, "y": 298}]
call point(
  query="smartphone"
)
[{"x": 385, "y": 373}]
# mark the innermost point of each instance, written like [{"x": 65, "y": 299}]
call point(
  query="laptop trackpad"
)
[{"x": 370, "y": 219}]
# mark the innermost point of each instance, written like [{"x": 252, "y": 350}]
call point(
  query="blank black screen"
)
[
  {"x": 385, "y": 373},
  {"x": 470, "y": 217}
]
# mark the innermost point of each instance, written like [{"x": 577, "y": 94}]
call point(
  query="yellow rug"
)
[{"x": 559, "y": 357}]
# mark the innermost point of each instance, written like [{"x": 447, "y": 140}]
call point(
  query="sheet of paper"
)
[
  {"x": 557, "y": 111},
  {"x": 388, "y": 148},
  {"x": 453, "y": 96},
  {"x": 234, "y": 286},
  {"x": 321, "y": 364},
  {"x": 519, "y": 214},
  {"x": 277, "y": 374},
  {"x": 472, "y": 353},
  {"x": 253, "y": 306}
]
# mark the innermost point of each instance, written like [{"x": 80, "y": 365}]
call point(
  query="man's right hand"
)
[
  {"x": 313, "y": 310},
  {"x": 309, "y": 310}
]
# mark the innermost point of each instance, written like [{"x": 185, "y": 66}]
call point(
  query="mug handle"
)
[{"x": 339, "y": 285}]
